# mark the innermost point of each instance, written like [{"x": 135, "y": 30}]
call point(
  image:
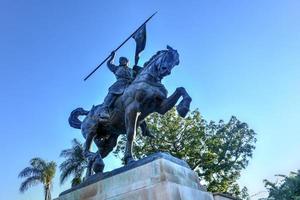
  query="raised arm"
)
[{"x": 110, "y": 62}]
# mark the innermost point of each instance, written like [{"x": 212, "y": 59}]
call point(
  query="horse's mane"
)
[
  {"x": 146, "y": 64},
  {"x": 149, "y": 63}
]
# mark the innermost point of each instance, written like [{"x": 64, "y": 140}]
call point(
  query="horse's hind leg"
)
[
  {"x": 145, "y": 130},
  {"x": 130, "y": 117},
  {"x": 105, "y": 146}
]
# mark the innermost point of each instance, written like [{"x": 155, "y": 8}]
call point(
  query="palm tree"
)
[
  {"x": 39, "y": 171},
  {"x": 75, "y": 163}
]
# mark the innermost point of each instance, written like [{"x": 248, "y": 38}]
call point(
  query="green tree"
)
[
  {"x": 39, "y": 171},
  {"x": 216, "y": 151},
  {"x": 75, "y": 163},
  {"x": 288, "y": 188}
]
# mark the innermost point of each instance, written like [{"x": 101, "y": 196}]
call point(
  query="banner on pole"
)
[{"x": 140, "y": 39}]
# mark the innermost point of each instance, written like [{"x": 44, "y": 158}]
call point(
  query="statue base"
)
[{"x": 159, "y": 176}]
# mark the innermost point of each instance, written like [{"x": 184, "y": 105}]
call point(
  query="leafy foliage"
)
[
  {"x": 216, "y": 151},
  {"x": 75, "y": 163},
  {"x": 39, "y": 171},
  {"x": 288, "y": 188}
]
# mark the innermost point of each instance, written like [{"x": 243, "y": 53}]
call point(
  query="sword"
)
[{"x": 119, "y": 47}]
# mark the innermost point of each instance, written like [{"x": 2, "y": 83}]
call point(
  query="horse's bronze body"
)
[{"x": 145, "y": 95}]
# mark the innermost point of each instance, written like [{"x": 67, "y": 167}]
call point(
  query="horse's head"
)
[
  {"x": 168, "y": 60},
  {"x": 162, "y": 63}
]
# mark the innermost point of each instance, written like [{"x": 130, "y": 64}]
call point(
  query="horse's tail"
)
[{"x": 73, "y": 119}]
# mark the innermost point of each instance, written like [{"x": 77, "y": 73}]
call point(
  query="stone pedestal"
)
[{"x": 156, "y": 177}]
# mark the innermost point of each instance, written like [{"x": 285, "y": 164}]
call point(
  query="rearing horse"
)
[{"x": 145, "y": 95}]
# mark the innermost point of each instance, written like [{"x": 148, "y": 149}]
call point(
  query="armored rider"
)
[{"x": 124, "y": 77}]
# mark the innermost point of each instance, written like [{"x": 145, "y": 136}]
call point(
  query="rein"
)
[
  {"x": 154, "y": 80},
  {"x": 156, "y": 84}
]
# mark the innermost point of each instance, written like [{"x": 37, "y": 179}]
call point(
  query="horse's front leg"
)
[
  {"x": 89, "y": 169},
  {"x": 89, "y": 132},
  {"x": 89, "y": 155},
  {"x": 171, "y": 101},
  {"x": 184, "y": 106}
]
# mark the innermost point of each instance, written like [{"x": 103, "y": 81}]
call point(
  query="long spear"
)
[{"x": 119, "y": 47}]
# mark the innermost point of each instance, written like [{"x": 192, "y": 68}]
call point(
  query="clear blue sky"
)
[{"x": 237, "y": 58}]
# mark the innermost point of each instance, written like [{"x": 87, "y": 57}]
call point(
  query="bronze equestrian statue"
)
[{"x": 136, "y": 99}]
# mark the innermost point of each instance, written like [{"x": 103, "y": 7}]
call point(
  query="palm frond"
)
[
  {"x": 75, "y": 142},
  {"x": 29, "y": 171},
  {"x": 52, "y": 166},
  {"x": 31, "y": 181},
  {"x": 76, "y": 181},
  {"x": 75, "y": 162},
  {"x": 49, "y": 172},
  {"x": 78, "y": 163},
  {"x": 65, "y": 174},
  {"x": 71, "y": 169},
  {"x": 51, "y": 169},
  {"x": 38, "y": 163},
  {"x": 66, "y": 153}
]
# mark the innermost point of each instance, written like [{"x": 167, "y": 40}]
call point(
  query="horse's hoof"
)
[
  {"x": 150, "y": 136},
  {"x": 98, "y": 165},
  {"x": 182, "y": 110},
  {"x": 129, "y": 161},
  {"x": 147, "y": 133},
  {"x": 90, "y": 156}
]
